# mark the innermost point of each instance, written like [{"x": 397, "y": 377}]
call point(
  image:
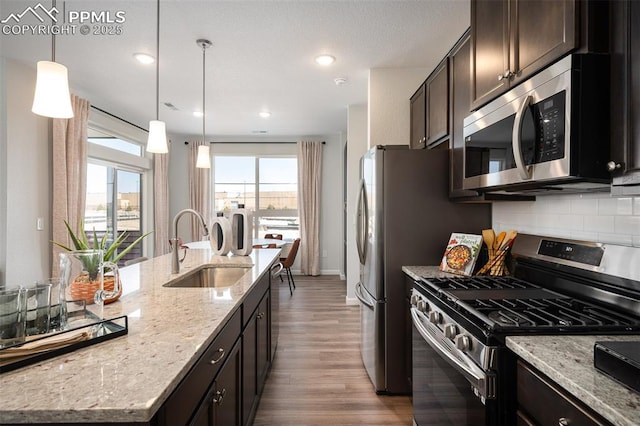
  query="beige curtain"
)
[
  {"x": 69, "y": 174},
  {"x": 198, "y": 191},
  {"x": 161, "y": 203},
  {"x": 309, "y": 185}
]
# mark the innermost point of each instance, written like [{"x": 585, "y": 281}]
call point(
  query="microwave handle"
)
[{"x": 524, "y": 170}]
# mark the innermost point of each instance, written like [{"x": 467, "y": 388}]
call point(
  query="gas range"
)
[
  {"x": 509, "y": 304},
  {"x": 558, "y": 286}
]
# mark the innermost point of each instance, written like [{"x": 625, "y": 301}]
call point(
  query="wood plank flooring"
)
[{"x": 317, "y": 376}]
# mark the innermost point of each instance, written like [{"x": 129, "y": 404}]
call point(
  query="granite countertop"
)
[
  {"x": 128, "y": 378},
  {"x": 568, "y": 360},
  {"x": 417, "y": 272}
]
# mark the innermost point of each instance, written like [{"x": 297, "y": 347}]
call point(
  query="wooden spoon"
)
[
  {"x": 499, "y": 239},
  {"x": 489, "y": 236}
]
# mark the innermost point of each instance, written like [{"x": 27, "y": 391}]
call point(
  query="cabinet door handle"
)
[
  {"x": 613, "y": 166},
  {"x": 507, "y": 74},
  {"x": 220, "y": 356},
  {"x": 219, "y": 396},
  {"x": 563, "y": 421},
  {"x": 260, "y": 315}
]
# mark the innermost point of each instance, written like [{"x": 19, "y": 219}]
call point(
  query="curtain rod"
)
[
  {"x": 187, "y": 142},
  {"x": 118, "y": 118}
]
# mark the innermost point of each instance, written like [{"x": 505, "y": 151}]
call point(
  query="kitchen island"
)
[
  {"x": 568, "y": 361},
  {"x": 129, "y": 378}
]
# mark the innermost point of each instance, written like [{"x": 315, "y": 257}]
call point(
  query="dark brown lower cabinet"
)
[
  {"x": 255, "y": 358},
  {"x": 224, "y": 386},
  {"x": 221, "y": 405},
  {"x": 543, "y": 402}
]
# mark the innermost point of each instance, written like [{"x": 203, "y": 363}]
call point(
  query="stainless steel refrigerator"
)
[{"x": 404, "y": 217}]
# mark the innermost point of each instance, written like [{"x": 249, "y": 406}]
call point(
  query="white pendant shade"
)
[
  {"x": 157, "y": 141},
  {"x": 204, "y": 160},
  {"x": 52, "y": 97}
]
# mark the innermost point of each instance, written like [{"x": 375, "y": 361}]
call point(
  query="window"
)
[
  {"x": 119, "y": 176},
  {"x": 267, "y": 185}
]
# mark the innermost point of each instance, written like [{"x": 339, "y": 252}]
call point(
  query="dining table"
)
[{"x": 205, "y": 244}]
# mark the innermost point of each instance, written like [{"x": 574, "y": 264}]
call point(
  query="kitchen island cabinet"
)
[
  {"x": 561, "y": 367},
  {"x": 174, "y": 336},
  {"x": 256, "y": 353}
]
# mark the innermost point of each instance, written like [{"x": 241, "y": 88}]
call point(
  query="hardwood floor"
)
[{"x": 317, "y": 376}]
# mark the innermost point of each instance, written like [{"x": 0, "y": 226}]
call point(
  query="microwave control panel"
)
[{"x": 549, "y": 115}]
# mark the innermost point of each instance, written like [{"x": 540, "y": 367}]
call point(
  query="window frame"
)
[
  {"x": 120, "y": 160},
  {"x": 257, "y": 212}
]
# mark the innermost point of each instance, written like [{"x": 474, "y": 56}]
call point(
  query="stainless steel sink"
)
[{"x": 213, "y": 276}]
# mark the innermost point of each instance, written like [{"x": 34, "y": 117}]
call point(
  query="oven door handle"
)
[
  {"x": 472, "y": 373},
  {"x": 516, "y": 140}
]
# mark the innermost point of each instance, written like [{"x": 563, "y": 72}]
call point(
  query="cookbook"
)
[{"x": 461, "y": 253}]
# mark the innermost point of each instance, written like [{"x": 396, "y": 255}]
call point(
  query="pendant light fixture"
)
[
  {"x": 52, "y": 97},
  {"x": 157, "y": 141},
  {"x": 203, "y": 160}
]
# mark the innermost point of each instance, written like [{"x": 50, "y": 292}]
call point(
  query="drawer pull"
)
[
  {"x": 217, "y": 360},
  {"x": 563, "y": 421},
  {"x": 219, "y": 397}
]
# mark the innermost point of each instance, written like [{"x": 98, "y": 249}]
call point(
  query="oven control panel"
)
[{"x": 586, "y": 254}]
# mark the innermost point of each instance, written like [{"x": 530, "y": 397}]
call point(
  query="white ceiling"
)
[{"x": 262, "y": 58}]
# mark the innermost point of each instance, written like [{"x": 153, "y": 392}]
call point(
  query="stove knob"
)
[
  {"x": 422, "y": 306},
  {"x": 435, "y": 317},
  {"x": 463, "y": 342},
  {"x": 450, "y": 331},
  {"x": 414, "y": 299}
]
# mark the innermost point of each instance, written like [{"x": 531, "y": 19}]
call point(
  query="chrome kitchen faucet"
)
[{"x": 175, "y": 241}]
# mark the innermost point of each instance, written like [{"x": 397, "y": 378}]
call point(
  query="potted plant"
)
[{"x": 85, "y": 285}]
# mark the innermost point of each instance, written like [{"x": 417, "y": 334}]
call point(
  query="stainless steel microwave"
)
[{"x": 547, "y": 134}]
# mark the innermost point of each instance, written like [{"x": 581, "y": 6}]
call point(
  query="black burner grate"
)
[
  {"x": 548, "y": 313},
  {"x": 480, "y": 282}
]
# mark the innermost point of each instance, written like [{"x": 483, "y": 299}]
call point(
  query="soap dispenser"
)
[
  {"x": 220, "y": 235},
  {"x": 241, "y": 231}
]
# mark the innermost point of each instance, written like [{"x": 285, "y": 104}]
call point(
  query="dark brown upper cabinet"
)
[
  {"x": 418, "y": 119},
  {"x": 513, "y": 39},
  {"x": 460, "y": 104},
  {"x": 437, "y": 91},
  {"x": 430, "y": 109},
  {"x": 625, "y": 97}
]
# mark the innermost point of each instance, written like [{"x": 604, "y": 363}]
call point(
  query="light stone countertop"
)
[
  {"x": 417, "y": 272},
  {"x": 128, "y": 378},
  {"x": 568, "y": 361}
]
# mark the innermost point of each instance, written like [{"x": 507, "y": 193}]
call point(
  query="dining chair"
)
[
  {"x": 273, "y": 236},
  {"x": 287, "y": 263}
]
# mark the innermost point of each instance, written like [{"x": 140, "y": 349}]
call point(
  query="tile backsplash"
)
[{"x": 592, "y": 217}]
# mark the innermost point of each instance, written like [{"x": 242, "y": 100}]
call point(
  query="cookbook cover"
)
[{"x": 461, "y": 253}]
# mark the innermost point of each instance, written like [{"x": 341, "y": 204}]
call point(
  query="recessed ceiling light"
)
[
  {"x": 144, "y": 58},
  {"x": 325, "y": 59},
  {"x": 264, "y": 114},
  {"x": 198, "y": 114}
]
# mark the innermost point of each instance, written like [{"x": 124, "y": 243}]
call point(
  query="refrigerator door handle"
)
[
  {"x": 362, "y": 219},
  {"x": 362, "y": 297}
]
